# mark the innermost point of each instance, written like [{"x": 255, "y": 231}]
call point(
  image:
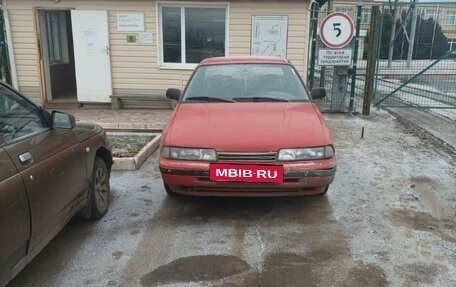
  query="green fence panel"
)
[{"x": 416, "y": 61}]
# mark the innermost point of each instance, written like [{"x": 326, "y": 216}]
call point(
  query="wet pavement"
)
[{"x": 389, "y": 219}]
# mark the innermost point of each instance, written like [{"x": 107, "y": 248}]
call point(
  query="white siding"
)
[
  {"x": 135, "y": 66},
  {"x": 298, "y": 19}
]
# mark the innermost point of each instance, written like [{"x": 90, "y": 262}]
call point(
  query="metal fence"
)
[{"x": 416, "y": 60}]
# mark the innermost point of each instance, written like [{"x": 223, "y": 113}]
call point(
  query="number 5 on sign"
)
[{"x": 336, "y": 30}]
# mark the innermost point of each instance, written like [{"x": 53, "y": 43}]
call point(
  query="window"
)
[
  {"x": 18, "y": 117},
  {"x": 348, "y": 11},
  {"x": 56, "y": 29},
  {"x": 430, "y": 13},
  {"x": 451, "y": 18},
  {"x": 452, "y": 43},
  {"x": 192, "y": 33},
  {"x": 365, "y": 15}
]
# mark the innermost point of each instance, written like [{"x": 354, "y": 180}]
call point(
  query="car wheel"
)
[
  {"x": 169, "y": 191},
  {"x": 99, "y": 195}
]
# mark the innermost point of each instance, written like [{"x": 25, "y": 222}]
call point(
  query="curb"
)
[
  {"x": 133, "y": 163},
  {"x": 129, "y": 126}
]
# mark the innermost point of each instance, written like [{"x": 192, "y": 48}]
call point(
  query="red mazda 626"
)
[{"x": 246, "y": 126}]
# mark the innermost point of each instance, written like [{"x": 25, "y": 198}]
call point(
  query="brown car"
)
[{"x": 50, "y": 169}]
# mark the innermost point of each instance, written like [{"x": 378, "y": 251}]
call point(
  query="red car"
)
[{"x": 246, "y": 126}]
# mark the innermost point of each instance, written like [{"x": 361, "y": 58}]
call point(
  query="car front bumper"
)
[{"x": 300, "y": 178}]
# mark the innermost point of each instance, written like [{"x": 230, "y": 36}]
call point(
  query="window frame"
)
[
  {"x": 452, "y": 42},
  {"x": 346, "y": 10},
  {"x": 426, "y": 15},
  {"x": 452, "y": 13},
  {"x": 182, "y": 6},
  {"x": 366, "y": 15}
]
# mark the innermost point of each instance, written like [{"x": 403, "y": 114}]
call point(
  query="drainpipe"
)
[{"x": 9, "y": 40}]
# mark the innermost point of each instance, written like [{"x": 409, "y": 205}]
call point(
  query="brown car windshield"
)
[{"x": 246, "y": 83}]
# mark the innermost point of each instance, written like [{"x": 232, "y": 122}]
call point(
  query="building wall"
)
[{"x": 135, "y": 67}]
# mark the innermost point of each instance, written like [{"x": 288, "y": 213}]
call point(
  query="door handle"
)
[{"x": 25, "y": 157}]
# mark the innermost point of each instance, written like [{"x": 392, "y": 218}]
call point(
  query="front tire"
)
[
  {"x": 324, "y": 191},
  {"x": 99, "y": 194},
  {"x": 169, "y": 191}
]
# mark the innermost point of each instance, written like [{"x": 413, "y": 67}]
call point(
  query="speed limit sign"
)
[{"x": 336, "y": 30}]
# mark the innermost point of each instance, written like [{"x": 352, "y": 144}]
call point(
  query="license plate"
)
[{"x": 246, "y": 173}]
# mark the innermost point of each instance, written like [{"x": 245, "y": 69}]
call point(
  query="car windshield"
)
[{"x": 246, "y": 83}]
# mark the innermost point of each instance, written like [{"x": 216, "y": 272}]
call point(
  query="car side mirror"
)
[
  {"x": 173, "y": 94},
  {"x": 63, "y": 121},
  {"x": 317, "y": 93}
]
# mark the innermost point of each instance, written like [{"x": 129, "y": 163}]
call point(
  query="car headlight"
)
[
  {"x": 188, "y": 153},
  {"x": 306, "y": 153}
]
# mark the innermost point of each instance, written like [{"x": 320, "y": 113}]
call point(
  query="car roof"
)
[{"x": 243, "y": 60}]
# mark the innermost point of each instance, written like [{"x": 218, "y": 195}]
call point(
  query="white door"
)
[{"x": 91, "y": 55}]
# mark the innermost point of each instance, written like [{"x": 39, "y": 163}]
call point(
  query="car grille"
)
[{"x": 247, "y": 156}]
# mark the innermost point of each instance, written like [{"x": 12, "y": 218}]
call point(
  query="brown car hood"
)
[{"x": 84, "y": 131}]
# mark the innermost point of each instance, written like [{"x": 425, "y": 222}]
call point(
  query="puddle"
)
[
  {"x": 117, "y": 255},
  {"x": 289, "y": 269},
  {"x": 422, "y": 179},
  {"x": 286, "y": 269},
  {"x": 196, "y": 269},
  {"x": 367, "y": 275},
  {"x": 422, "y": 221},
  {"x": 419, "y": 273}
]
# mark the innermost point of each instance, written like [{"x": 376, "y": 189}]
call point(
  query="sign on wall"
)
[
  {"x": 130, "y": 22},
  {"x": 269, "y": 36}
]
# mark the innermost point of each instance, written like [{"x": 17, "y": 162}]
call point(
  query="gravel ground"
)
[
  {"x": 387, "y": 220},
  {"x": 128, "y": 144}
]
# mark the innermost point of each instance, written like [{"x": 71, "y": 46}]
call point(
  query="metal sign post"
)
[
  {"x": 355, "y": 60},
  {"x": 336, "y": 32}
]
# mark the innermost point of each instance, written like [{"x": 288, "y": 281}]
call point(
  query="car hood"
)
[
  {"x": 246, "y": 126},
  {"x": 84, "y": 131}
]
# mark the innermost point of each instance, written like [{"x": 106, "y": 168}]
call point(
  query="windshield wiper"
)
[
  {"x": 209, "y": 99},
  {"x": 260, "y": 99}
]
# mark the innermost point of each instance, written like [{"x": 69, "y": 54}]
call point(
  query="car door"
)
[
  {"x": 49, "y": 161},
  {"x": 14, "y": 215}
]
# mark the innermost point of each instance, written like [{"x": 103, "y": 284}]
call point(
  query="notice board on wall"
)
[
  {"x": 269, "y": 36},
  {"x": 130, "y": 22}
]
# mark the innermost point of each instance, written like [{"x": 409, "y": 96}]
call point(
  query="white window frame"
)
[
  {"x": 365, "y": 15},
  {"x": 451, "y": 23},
  {"x": 180, "y": 4},
  {"x": 345, "y": 10},
  {"x": 428, "y": 13},
  {"x": 452, "y": 43}
]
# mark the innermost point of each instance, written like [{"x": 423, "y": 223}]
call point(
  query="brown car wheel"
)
[{"x": 99, "y": 200}]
